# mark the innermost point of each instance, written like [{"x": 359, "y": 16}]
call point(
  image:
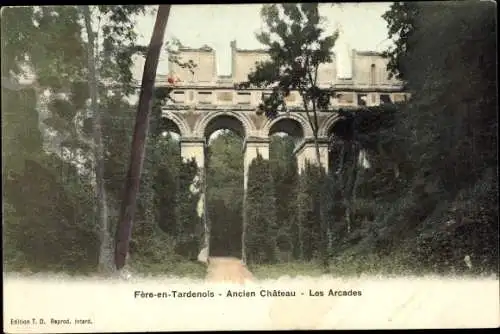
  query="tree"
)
[
  {"x": 48, "y": 222},
  {"x": 296, "y": 48},
  {"x": 430, "y": 159},
  {"x": 188, "y": 224},
  {"x": 261, "y": 234},
  {"x": 312, "y": 231},
  {"x": 296, "y": 51},
  {"x": 101, "y": 201},
  {"x": 60, "y": 231},
  {"x": 401, "y": 23},
  {"x": 285, "y": 177},
  {"x": 166, "y": 185},
  {"x": 59, "y": 27},
  {"x": 118, "y": 40},
  {"x": 138, "y": 142},
  {"x": 225, "y": 193},
  {"x": 361, "y": 136}
]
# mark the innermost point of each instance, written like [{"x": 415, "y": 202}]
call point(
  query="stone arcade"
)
[{"x": 205, "y": 102}]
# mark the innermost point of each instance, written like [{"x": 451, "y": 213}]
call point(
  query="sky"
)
[{"x": 217, "y": 25}]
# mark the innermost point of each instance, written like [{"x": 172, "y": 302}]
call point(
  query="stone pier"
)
[
  {"x": 193, "y": 148},
  {"x": 306, "y": 152}
]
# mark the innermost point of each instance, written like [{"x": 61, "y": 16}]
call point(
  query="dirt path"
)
[{"x": 228, "y": 269}]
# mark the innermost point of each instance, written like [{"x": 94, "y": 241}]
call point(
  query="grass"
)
[
  {"x": 196, "y": 270},
  {"x": 342, "y": 266},
  {"x": 187, "y": 269},
  {"x": 292, "y": 269}
]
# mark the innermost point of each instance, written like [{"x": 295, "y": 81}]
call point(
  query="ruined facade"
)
[{"x": 205, "y": 102}]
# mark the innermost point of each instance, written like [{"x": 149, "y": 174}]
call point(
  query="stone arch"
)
[
  {"x": 324, "y": 130},
  {"x": 180, "y": 122},
  {"x": 299, "y": 119},
  {"x": 247, "y": 125}
]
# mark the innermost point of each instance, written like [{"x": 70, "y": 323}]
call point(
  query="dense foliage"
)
[
  {"x": 412, "y": 186},
  {"x": 261, "y": 225},
  {"x": 431, "y": 194},
  {"x": 297, "y": 46},
  {"x": 225, "y": 193},
  {"x": 285, "y": 180},
  {"x": 47, "y": 128}
]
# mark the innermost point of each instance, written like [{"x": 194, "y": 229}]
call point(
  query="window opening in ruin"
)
[
  {"x": 385, "y": 98},
  {"x": 372, "y": 75}
]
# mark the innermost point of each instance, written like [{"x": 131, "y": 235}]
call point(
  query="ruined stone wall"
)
[
  {"x": 244, "y": 63},
  {"x": 370, "y": 69},
  {"x": 327, "y": 73},
  {"x": 204, "y": 73}
]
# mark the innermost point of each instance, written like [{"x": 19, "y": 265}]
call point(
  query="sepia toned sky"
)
[{"x": 216, "y": 25}]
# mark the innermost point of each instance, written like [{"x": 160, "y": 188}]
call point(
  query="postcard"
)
[{"x": 250, "y": 167}]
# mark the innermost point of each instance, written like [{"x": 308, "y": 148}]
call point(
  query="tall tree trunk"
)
[
  {"x": 105, "y": 252},
  {"x": 127, "y": 210},
  {"x": 324, "y": 225}
]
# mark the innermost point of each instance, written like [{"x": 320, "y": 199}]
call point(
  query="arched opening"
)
[
  {"x": 165, "y": 150},
  {"x": 167, "y": 141},
  {"x": 225, "y": 122},
  {"x": 338, "y": 131},
  {"x": 224, "y": 136},
  {"x": 333, "y": 127},
  {"x": 168, "y": 127},
  {"x": 342, "y": 148},
  {"x": 285, "y": 135},
  {"x": 287, "y": 127}
]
